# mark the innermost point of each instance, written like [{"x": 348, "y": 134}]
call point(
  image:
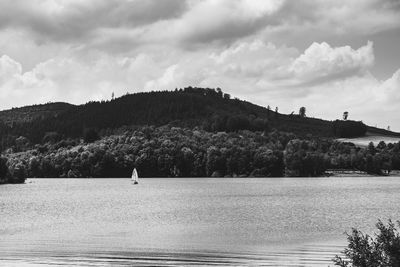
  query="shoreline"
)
[{"x": 28, "y": 180}]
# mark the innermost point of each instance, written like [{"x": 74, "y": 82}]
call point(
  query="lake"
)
[{"x": 193, "y": 221}]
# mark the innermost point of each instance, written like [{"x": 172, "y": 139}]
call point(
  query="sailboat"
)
[{"x": 135, "y": 176}]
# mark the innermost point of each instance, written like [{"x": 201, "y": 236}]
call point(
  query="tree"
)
[
  {"x": 214, "y": 163},
  {"x": 227, "y": 96},
  {"x": 18, "y": 173},
  {"x": 365, "y": 251},
  {"x": 185, "y": 161},
  {"x": 51, "y": 137},
  {"x": 371, "y": 148},
  {"x": 302, "y": 159},
  {"x": 302, "y": 112},
  {"x": 219, "y": 92},
  {"x": 381, "y": 145},
  {"x": 90, "y": 135},
  {"x": 239, "y": 122},
  {"x": 345, "y": 115},
  {"x": 21, "y": 143},
  {"x": 3, "y": 169}
]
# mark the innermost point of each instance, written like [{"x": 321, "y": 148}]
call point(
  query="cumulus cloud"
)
[
  {"x": 391, "y": 90},
  {"x": 322, "y": 62},
  {"x": 212, "y": 20},
  {"x": 103, "y": 23},
  {"x": 21, "y": 87},
  {"x": 62, "y": 79},
  {"x": 245, "y": 69},
  {"x": 76, "y": 20},
  {"x": 8, "y": 69},
  {"x": 366, "y": 98}
]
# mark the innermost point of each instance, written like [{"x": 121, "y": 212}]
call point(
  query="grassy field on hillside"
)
[{"x": 370, "y": 137}]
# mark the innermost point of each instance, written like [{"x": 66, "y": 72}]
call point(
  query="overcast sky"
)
[{"x": 329, "y": 56}]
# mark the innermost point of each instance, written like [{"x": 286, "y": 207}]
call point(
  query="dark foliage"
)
[
  {"x": 3, "y": 170},
  {"x": 348, "y": 129},
  {"x": 158, "y": 152},
  {"x": 383, "y": 250},
  {"x": 302, "y": 112},
  {"x": 17, "y": 176},
  {"x": 183, "y": 152},
  {"x": 304, "y": 158},
  {"x": 188, "y": 107},
  {"x": 90, "y": 135}
]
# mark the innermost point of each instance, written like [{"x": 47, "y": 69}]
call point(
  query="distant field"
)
[{"x": 365, "y": 140}]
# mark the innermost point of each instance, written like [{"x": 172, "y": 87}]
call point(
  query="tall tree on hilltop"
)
[
  {"x": 302, "y": 112},
  {"x": 345, "y": 115}
]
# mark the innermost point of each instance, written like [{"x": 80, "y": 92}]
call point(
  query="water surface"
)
[{"x": 274, "y": 221}]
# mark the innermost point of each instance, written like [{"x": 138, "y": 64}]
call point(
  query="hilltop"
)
[
  {"x": 31, "y": 113},
  {"x": 208, "y": 109}
]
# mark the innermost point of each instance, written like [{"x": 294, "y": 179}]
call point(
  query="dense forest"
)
[
  {"x": 190, "y": 132},
  {"x": 169, "y": 151},
  {"x": 210, "y": 109}
]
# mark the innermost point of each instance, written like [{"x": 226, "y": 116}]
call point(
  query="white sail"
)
[{"x": 135, "y": 177}]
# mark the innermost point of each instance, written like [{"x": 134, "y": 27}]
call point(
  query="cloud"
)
[
  {"x": 391, "y": 90},
  {"x": 8, "y": 69},
  {"x": 366, "y": 98},
  {"x": 224, "y": 22},
  {"x": 21, "y": 87},
  {"x": 321, "y": 62},
  {"x": 211, "y": 20},
  {"x": 128, "y": 26},
  {"x": 76, "y": 20},
  {"x": 256, "y": 71},
  {"x": 321, "y": 20},
  {"x": 243, "y": 68}
]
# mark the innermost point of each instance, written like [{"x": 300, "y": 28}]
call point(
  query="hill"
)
[
  {"x": 381, "y": 132},
  {"x": 31, "y": 113},
  {"x": 208, "y": 109},
  {"x": 190, "y": 132}
]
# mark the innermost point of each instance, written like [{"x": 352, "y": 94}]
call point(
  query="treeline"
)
[
  {"x": 183, "y": 152},
  {"x": 206, "y": 108},
  {"x": 349, "y": 129}
]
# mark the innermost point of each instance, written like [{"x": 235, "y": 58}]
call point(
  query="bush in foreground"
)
[{"x": 366, "y": 251}]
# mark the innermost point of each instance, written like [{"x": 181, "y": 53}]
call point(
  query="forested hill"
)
[
  {"x": 30, "y": 113},
  {"x": 209, "y": 109},
  {"x": 190, "y": 132}
]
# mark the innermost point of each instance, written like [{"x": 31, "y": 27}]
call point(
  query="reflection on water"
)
[
  {"x": 307, "y": 256},
  {"x": 270, "y": 222}
]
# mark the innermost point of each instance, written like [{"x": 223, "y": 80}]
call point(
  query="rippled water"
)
[{"x": 270, "y": 222}]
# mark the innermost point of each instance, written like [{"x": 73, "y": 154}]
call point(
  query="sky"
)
[{"x": 329, "y": 56}]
